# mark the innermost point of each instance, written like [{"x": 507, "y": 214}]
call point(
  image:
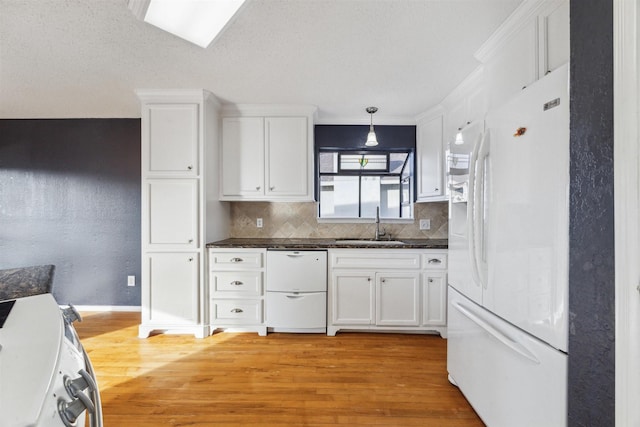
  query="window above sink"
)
[{"x": 352, "y": 180}]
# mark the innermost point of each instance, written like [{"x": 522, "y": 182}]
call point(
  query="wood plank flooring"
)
[{"x": 242, "y": 379}]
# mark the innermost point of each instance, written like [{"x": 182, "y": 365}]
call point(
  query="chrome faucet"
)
[{"x": 378, "y": 233}]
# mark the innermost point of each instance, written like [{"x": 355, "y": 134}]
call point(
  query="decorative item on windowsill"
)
[{"x": 372, "y": 141}]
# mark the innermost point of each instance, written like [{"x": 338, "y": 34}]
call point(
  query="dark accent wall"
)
[
  {"x": 591, "y": 235},
  {"x": 70, "y": 196}
]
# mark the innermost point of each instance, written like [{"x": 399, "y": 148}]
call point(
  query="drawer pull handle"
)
[
  {"x": 237, "y": 310},
  {"x": 434, "y": 261},
  {"x": 237, "y": 283},
  {"x": 236, "y": 260}
]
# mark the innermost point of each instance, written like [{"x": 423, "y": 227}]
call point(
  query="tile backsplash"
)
[{"x": 298, "y": 220}]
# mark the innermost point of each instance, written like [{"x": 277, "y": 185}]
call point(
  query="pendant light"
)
[{"x": 372, "y": 141}]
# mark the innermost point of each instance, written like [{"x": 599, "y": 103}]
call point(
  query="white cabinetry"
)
[
  {"x": 533, "y": 41},
  {"x": 267, "y": 154},
  {"x": 179, "y": 150},
  {"x": 236, "y": 289},
  {"x": 387, "y": 289},
  {"x": 430, "y": 177}
]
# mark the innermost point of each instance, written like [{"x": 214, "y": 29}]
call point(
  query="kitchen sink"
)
[{"x": 369, "y": 242}]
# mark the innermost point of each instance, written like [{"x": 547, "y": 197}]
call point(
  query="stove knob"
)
[
  {"x": 71, "y": 314},
  {"x": 76, "y": 386},
  {"x": 70, "y": 411}
]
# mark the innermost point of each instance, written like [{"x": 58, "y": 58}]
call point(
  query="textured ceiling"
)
[{"x": 84, "y": 58}]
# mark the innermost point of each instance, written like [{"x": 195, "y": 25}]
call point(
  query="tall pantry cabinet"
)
[{"x": 180, "y": 207}]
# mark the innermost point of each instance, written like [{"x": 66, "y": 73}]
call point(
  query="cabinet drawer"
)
[
  {"x": 240, "y": 283},
  {"x": 371, "y": 258},
  {"x": 434, "y": 261},
  {"x": 236, "y": 312},
  {"x": 235, "y": 260}
]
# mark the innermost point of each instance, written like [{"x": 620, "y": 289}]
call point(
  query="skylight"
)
[{"x": 197, "y": 21}]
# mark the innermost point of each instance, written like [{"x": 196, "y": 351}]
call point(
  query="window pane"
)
[
  {"x": 390, "y": 197},
  {"x": 328, "y": 162},
  {"x": 339, "y": 197},
  {"x": 396, "y": 161},
  {"x": 363, "y": 162},
  {"x": 370, "y": 196}
]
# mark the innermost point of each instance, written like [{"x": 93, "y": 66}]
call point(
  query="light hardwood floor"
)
[{"x": 241, "y": 379}]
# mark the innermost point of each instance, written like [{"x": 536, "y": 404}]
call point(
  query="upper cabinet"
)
[
  {"x": 430, "y": 158},
  {"x": 170, "y": 139},
  {"x": 267, "y": 154},
  {"x": 533, "y": 41}
]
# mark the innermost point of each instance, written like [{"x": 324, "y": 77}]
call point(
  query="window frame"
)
[{"x": 360, "y": 173}]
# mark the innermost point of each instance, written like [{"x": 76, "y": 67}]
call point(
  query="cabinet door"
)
[
  {"x": 397, "y": 299},
  {"x": 170, "y": 139},
  {"x": 172, "y": 288},
  {"x": 555, "y": 37},
  {"x": 287, "y": 154},
  {"x": 515, "y": 67},
  {"x": 434, "y": 294},
  {"x": 352, "y": 297},
  {"x": 173, "y": 213},
  {"x": 430, "y": 159},
  {"x": 242, "y": 156}
]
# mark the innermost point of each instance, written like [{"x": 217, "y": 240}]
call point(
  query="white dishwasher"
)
[{"x": 296, "y": 291}]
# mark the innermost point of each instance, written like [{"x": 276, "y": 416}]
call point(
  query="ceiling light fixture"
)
[
  {"x": 372, "y": 141},
  {"x": 197, "y": 21}
]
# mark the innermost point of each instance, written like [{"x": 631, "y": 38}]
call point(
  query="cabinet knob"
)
[
  {"x": 190, "y": 240},
  {"x": 236, "y": 260},
  {"x": 258, "y": 188},
  {"x": 368, "y": 279},
  {"x": 237, "y": 310},
  {"x": 272, "y": 188},
  {"x": 189, "y": 167},
  {"x": 430, "y": 280},
  {"x": 383, "y": 280},
  {"x": 437, "y": 189},
  {"x": 236, "y": 283},
  {"x": 190, "y": 259}
]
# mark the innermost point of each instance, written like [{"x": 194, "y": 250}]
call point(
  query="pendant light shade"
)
[
  {"x": 372, "y": 141},
  {"x": 459, "y": 140}
]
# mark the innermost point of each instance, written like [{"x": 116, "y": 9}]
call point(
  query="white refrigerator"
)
[{"x": 508, "y": 259}]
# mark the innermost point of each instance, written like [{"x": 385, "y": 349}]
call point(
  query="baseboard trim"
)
[{"x": 107, "y": 307}]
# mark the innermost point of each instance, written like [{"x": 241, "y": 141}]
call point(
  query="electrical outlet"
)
[
  {"x": 425, "y": 224},
  {"x": 131, "y": 280},
  {"x": 259, "y": 223}
]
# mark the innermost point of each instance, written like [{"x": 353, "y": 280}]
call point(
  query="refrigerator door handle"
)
[
  {"x": 480, "y": 210},
  {"x": 472, "y": 211},
  {"x": 495, "y": 331}
]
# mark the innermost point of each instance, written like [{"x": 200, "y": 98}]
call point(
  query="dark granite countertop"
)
[{"x": 328, "y": 243}]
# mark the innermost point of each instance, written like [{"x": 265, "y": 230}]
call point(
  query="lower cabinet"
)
[
  {"x": 387, "y": 289},
  {"x": 236, "y": 289},
  {"x": 173, "y": 304}
]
